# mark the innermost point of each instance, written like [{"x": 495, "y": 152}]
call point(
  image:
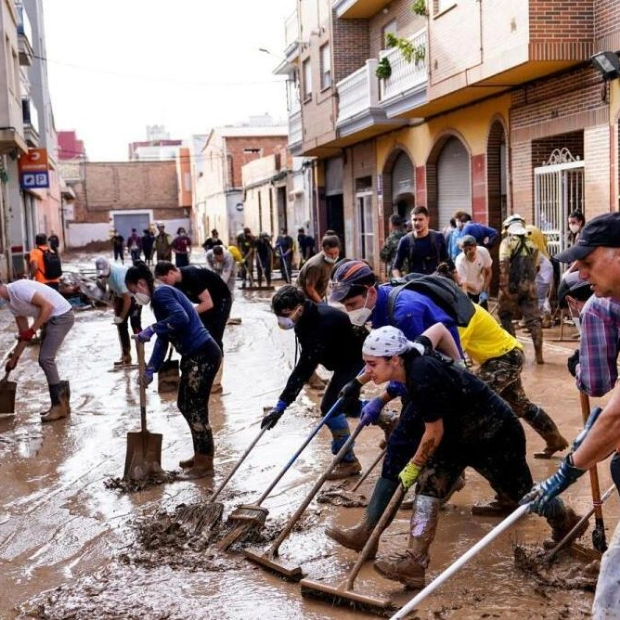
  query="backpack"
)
[
  {"x": 52, "y": 267},
  {"x": 434, "y": 239},
  {"x": 522, "y": 267},
  {"x": 443, "y": 291}
]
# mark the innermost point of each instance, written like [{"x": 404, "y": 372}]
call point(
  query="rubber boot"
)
[
  {"x": 537, "y": 339},
  {"x": 562, "y": 520},
  {"x": 65, "y": 396},
  {"x": 540, "y": 421},
  {"x": 410, "y": 567},
  {"x": 356, "y": 537},
  {"x": 201, "y": 467},
  {"x": 57, "y": 411},
  {"x": 125, "y": 360},
  {"x": 349, "y": 466}
]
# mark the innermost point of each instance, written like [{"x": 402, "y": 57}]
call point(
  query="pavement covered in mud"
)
[{"x": 75, "y": 545}]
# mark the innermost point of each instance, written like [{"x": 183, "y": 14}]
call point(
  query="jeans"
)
[{"x": 53, "y": 334}]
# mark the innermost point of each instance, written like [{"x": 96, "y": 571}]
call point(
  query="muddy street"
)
[{"x": 69, "y": 545}]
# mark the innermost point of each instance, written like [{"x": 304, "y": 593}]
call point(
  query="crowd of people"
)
[{"x": 424, "y": 336}]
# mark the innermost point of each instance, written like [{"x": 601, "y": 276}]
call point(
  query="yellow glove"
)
[{"x": 409, "y": 474}]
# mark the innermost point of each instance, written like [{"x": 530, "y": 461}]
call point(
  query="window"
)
[
  {"x": 366, "y": 227},
  {"x": 443, "y": 5},
  {"x": 326, "y": 67},
  {"x": 307, "y": 85},
  {"x": 389, "y": 28}
]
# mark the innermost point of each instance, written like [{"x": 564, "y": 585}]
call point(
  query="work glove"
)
[
  {"x": 572, "y": 362},
  {"x": 27, "y": 335},
  {"x": 371, "y": 411},
  {"x": 146, "y": 334},
  {"x": 350, "y": 395},
  {"x": 567, "y": 473},
  {"x": 118, "y": 320},
  {"x": 271, "y": 419},
  {"x": 484, "y": 296},
  {"x": 543, "y": 492},
  {"x": 409, "y": 475},
  {"x": 147, "y": 377}
]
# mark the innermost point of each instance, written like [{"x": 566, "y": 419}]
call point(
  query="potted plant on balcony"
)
[
  {"x": 410, "y": 52},
  {"x": 384, "y": 69},
  {"x": 419, "y": 8}
]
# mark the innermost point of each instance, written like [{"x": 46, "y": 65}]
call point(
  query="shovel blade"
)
[
  {"x": 143, "y": 456},
  {"x": 7, "y": 396}
]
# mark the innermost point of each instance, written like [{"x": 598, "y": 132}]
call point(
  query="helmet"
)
[
  {"x": 515, "y": 225},
  {"x": 349, "y": 274}
]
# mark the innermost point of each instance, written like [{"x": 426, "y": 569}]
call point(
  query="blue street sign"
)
[{"x": 34, "y": 180}]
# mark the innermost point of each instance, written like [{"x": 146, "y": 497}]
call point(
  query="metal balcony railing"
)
[{"x": 405, "y": 75}]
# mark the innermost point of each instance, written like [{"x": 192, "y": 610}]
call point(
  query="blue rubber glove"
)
[
  {"x": 271, "y": 419},
  {"x": 484, "y": 296},
  {"x": 371, "y": 411},
  {"x": 146, "y": 334},
  {"x": 396, "y": 389},
  {"x": 147, "y": 377},
  {"x": 545, "y": 491}
]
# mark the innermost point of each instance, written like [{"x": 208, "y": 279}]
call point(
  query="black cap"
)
[
  {"x": 572, "y": 284},
  {"x": 601, "y": 232}
]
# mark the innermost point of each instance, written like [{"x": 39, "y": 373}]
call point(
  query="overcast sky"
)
[{"x": 116, "y": 66}]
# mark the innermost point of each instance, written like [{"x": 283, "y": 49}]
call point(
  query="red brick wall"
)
[
  {"x": 606, "y": 25},
  {"x": 238, "y": 149},
  {"x": 561, "y": 20},
  {"x": 350, "y": 47},
  {"x": 407, "y": 23}
]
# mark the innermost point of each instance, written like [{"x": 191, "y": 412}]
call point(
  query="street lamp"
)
[{"x": 608, "y": 64}]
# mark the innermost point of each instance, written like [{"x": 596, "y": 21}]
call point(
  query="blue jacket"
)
[
  {"x": 177, "y": 323},
  {"x": 480, "y": 232},
  {"x": 413, "y": 313}
]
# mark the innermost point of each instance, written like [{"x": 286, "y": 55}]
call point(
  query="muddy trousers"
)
[
  {"x": 197, "y": 373},
  {"x": 52, "y": 336},
  {"x": 338, "y": 424},
  {"x": 215, "y": 321},
  {"x": 133, "y": 318},
  {"x": 607, "y": 596},
  {"x": 524, "y": 300},
  {"x": 503, "y": 376}
]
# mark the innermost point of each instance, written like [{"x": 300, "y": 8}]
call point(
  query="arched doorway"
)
[{"x": 453, "y": 182}]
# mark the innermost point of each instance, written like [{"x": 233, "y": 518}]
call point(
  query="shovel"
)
[
  {"x": 252, "y": 516},
  {"x": 344, "y": 593},
  {"x": 143, "y": 457},
  {"x": 8, "y": 388},
  {"x": 266, "y": 560}
]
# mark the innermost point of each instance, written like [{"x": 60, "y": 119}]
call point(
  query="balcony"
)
[
  {"x": 358, "y": 9},
  {"x": 291, "y": 35},
  {"x": 31, "y": 122},
  {"x": 295, "y": 133},
  {"x": 24, "y": 34},
  {"x": 358, "y": 103},
  {"x": 406, "y": 87}
]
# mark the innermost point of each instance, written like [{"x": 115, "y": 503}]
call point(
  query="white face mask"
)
[
  {"x": 330, "y": 260},
  {"x": 285, "y": 322},
  {"x": 142, "y": 298},
  {"x": 574, "y": 228},
  {"x": 360, "y": 316}
]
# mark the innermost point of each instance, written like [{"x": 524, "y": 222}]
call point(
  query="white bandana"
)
[{"x": 388, "y": 341}]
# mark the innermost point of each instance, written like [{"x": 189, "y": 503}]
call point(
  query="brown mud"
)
[{"x": 70, "y": 548}]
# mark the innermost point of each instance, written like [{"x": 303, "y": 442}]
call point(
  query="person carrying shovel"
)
[
  {"x": 53, "y": 314},
  {"x": 326, "y": 337},
  {"x": 178, "y": 324},
  {"x": 440, "y": 435}
]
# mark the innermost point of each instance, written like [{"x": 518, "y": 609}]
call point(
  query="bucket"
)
[{"x": 7, "y": 396}]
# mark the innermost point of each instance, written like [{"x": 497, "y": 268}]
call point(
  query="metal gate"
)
[{"x": 558, "y": 190}]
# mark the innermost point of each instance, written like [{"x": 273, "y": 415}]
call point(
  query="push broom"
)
[
  {"x": 344, "y": 594},
  {"x": 250, "y": 517},
  {"x": 267, "y": 559}
]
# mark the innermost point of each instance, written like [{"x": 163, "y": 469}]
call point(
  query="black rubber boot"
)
[
  {"x": 540, "y": 421},
  {"x": 355, "y": 537}
]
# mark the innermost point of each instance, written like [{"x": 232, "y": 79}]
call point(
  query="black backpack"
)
[
  {"x": 443, "y": 291},
  {"x": 52, "y": 267}
]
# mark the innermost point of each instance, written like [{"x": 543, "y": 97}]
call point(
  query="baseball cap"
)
[
  {"x": 467, "y": 240},
  {"x": 102, "y": 265},
  {"x": 572, "y": 284},
  {"x": 348, "y": 274},
  {"x": 602, "y": 231}
]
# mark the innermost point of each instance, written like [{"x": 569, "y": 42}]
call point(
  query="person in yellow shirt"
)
[{"x": 499, "y": 359}]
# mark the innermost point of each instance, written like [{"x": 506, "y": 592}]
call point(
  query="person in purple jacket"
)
[{"x": 178, "y": 324}]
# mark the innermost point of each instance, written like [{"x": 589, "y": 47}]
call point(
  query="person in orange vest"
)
[{"x": 45, "y": 265}]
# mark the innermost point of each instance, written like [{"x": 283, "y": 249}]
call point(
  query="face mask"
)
[
  {"x": 360, "y": 316},
  {"x": 285, "y": 322},
  {"x": 330, "y": 260},
  {"x": 142, "y": 298},
  {"x": 574, "y": 228}
]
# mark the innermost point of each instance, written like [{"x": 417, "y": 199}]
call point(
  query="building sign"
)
[{"x": 34, "y": 169}]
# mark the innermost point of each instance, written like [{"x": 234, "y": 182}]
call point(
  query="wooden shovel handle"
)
[
  {"x": 584, "y": 400},
  {"x": 141, "y": 370}
]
